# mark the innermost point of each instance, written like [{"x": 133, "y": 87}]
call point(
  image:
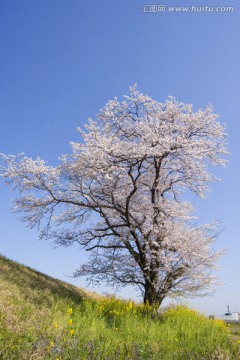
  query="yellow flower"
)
[
  {"x": 70, "y": 311},
  {"x": 71, "y": 332},
  {"x": 50, "y": 345},
  {"x": 70, "y": 322},
  {"x": 55, "y": 325}
]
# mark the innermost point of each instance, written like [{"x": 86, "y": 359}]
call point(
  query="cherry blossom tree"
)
[{"x": 120, "y": 193}]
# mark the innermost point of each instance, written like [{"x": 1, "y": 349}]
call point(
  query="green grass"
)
[
  {"x": 235, "y": 331},
  {"x": 44, "y": 318}
]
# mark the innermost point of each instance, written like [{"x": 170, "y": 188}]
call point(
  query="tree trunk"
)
[{"x": 151, "y": 295}]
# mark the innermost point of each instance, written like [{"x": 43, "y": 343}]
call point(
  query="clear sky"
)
[{"x": 60, "y": 61}]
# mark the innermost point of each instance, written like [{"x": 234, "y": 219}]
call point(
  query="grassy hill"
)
[{"x": 44, "y": 318}]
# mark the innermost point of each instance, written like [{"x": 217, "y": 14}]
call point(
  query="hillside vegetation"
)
[{"x": 44, "y": 318}]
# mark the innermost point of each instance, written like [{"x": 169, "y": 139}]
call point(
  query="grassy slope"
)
[
  {"x": 31, "y": 283},
  {"x": 31, "y": 301},
  {"x": 44, "y": 318}
]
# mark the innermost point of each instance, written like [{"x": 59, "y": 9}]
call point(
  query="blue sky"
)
[{"x": 60, "y": 61}]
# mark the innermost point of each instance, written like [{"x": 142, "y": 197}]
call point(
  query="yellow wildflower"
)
[
  {"x": 71, "y": 332},
  {"x": 55, "y": 325},
  {"x": 70, "y": 322},
  {"x": 70, "y": 311}
]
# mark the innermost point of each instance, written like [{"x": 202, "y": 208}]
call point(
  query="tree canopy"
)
[{"x": 131, "y": 170}]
